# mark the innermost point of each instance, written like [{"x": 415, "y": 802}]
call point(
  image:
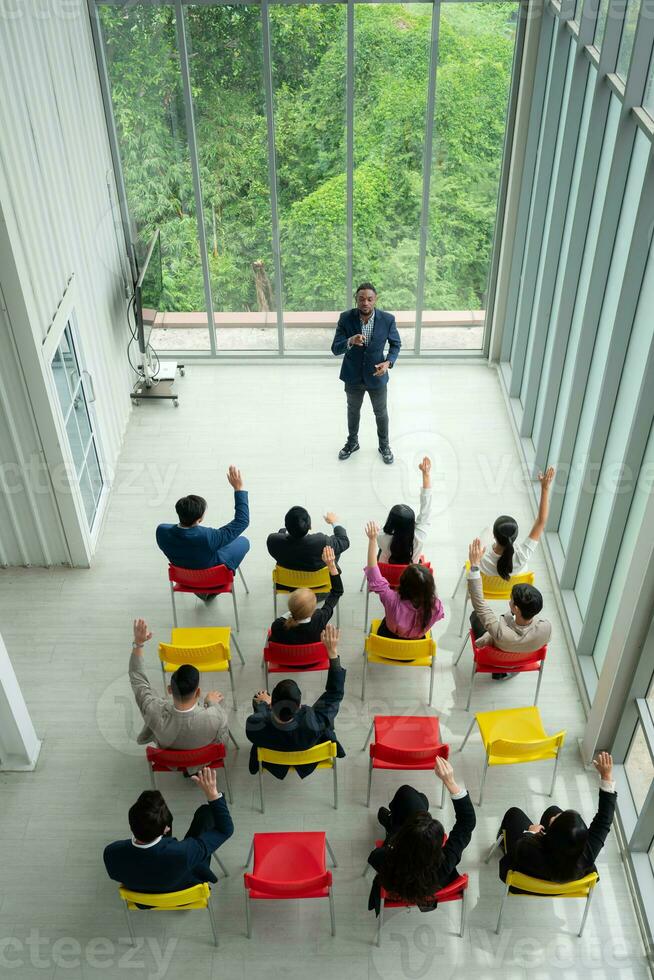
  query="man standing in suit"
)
[{"x": 362, "y": 335}]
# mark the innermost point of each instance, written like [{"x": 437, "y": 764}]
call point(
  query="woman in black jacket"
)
[
  {"x": 305, "y": 622},
  {"x": 413, "y": 862},
  {"x": 561, "y": 847}
]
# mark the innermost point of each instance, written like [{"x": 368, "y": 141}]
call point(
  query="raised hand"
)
[
  {"x": 329, "y": 557},
  {"x": 330, "y": 637},
  {"x": 213, "y": 697},
  {"x": 330, "y": 517},
  {"x": 141, "y": 632},
  {"x": 234, "y": 478},
  {"x": 476, "y": 552},
  {"x": 604, "y": 765},
  {"x": 445, "y": 772},
  {"x": 545, "y": 479},
  {"x": 206, "y": 780},
  {"x": 425, "y": 466},
  {"x": 372, "y": 530}
]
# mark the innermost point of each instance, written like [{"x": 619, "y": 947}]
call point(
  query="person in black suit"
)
[
  {"x": 294, "y": 547},
  {"x": 361, "y": 335},
  {"x": 281, "y": 722},
  {"x": 561, "y": 847},
  {"x": 304, "y": 623},
  {"x": 155, "y": 861},
  {"x": 413, "y": 862}
]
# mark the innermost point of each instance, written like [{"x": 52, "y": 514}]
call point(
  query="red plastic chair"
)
[
  {"x": 289, "y": 865},
  {"x": 405, "y": 742},
  {"x": 392, "y": 574},
  {"x": 288, "y": 658},
  {"x": 490, "y": 660},
  {"x": 213, "y": 756},
  {"x": 218, "y": 580},
  {"x": 454, "y": 892}
]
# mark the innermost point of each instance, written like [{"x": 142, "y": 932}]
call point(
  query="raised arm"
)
[
  {"x": 327, "y": 705},
  {"x": 199, "y": 849},
  {"x": 422, "y": 520},
  {"x": 372, "y": 530},
  {"x": 322, "y": 616},
  {"x": 339, "y": 540},
  {"x": 488, "y": 618},
  {"x": 229, "y": 532},
  {"x": 546, "y": 479},
  {"x": 601, "y": 823},
  {"x": 146, "y": 700},
  {"x": 466, "y": 820}
]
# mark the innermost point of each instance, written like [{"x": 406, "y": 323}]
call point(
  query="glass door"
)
[{"x": 75, "y": 393}]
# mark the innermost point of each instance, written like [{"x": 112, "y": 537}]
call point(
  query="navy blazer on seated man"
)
[
  {"x": 359, "y": 362},
  {"x": 169, "y": 865}
]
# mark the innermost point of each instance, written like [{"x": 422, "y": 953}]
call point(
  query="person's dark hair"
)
[
  {"x": 190, "y": 509},
  {"x": 528, "y": 599},
  {"x": 415, "y": 855},
  {"x": 185, "y": 681},
  {"x": 149, "y": 816},
  {"x": 505, "y": 531},
  {"x": 365, "y": 285},
  {"x": 297, "y": 522},
  {"x": 418, "y": 587},
  {"x": 285, "y": 699},
  {"x": 565, "y": 839},
  {"x": 401, "y": 524}
]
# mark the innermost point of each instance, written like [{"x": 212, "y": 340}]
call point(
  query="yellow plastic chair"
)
[
  {"x": 286, "y": 580},
  {"x": 515, "y": 735},
  {"x": 196, "y": 897},
  {"x": 207, "y": 648},
  {"x": 324, "y": 754},
  {"x": 537, "y": 888},
  {"x": 398, "y": 653},
  {"x": 494, "y": 588}
]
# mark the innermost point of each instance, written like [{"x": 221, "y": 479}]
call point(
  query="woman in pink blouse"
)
[{"x": 414, "y": 608}]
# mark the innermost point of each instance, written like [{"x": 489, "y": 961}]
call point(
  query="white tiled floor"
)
[{"x": 68, "y": 632}]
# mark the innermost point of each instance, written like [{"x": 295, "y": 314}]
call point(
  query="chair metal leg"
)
[
  {"x": 442, "y": 795},
  {"x": 370, "y": 767},
  {"x": 238, "y": 650},
  {"x": 368, "y": 736},
  {"x": 338, "y": 617},
  {"x": 585, "y": 915},
  {"x": 227, "y": 783},
  {"x": 151, "y": 771},
  {"x": 363, "y": 582},
  {"x": 163, "y": 676},
  {"x": 250, "y": 853},
  {"x": 231, "y": 681},
  {"x": 556, "y": 764},
  {"x": 274, "y": 601},
  {"x": 335, "y": 771},
  {"x": 465, "y": 644},
  {"x": 332, "y": 857},
  {"x": 232, "y": 739},
  {"x": 245, "y": 585},
  {"x": 248, "y": 917},
  {"x": 499, "y": 917},
  {"x": 332, "y": 912},
  {"x": 483, "y": 780},
  {"x": 132, "y": 938},
  {"x": 263, "y": 809},
  {"x": 220, "y": 864},
  {"x": 463, "y": 615},
  {"x": 472, "y": 725},
  {"x": 458, "y": 581},
  {"x": 238, "y": 628},
  {"x": 540, "y": 677},
  {"x": 463, "y": 913},
  {"x": 363, "y": 679},
  {"x": 365, "y": 615},
  {"x": 172, "y": 599},
  {"x": 213, "y": 923},
  {"x": 432, "y": 671},
  {"x": 472, "y": 682},
  {"x": 495, "y": 846},
  {"x": 380, "y": 922}
]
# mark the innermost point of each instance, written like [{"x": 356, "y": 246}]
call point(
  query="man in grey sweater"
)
[
  {"x": 516, "y": 633},
  {"x": 184, "y": 722}
]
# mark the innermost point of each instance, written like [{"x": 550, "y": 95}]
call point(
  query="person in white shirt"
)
[
  {"x": 506, "y": 558},
  {"x": 403, "y": 537}
]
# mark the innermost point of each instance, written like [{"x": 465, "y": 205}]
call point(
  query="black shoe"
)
[
  {"x": 348, "y": 449},
  {"x": 504, "y": 677},
  {"x": 384, "y": 817},
  {"x": 386, "y": 454},
  {"x": 206, "y": 596}
]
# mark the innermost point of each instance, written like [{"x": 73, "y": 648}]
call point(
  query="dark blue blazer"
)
[
  {"x": 359, "y": 362},
  {"x": 172, "y": 864}
]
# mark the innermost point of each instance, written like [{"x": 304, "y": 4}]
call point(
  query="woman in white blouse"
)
[
  {"x": 505, "y": 558},
  {"x": 403, "y": 537}
]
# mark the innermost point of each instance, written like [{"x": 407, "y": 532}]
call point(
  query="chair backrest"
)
[
  {"x": 393, "y": 573},
  {"x": 485, "y": 655},
  {"x": 496, "y": 587},
  {"x": 201, "y": 578},
  {"x": 292, "y": 578},
  {"x": 196, "y": 655},
  {"x": 449, "y": 893},
  {"x": 529, "y": 751},
  {"x": 384, "y": 646},
  {"x": 400, "y": 756},
  {"x": 296, "y": 654},
  {"x": 195, "y": 897},
  {"x": 318, "y": 753},
  {"x": 553, "y": 889},
  {"x": 184, "y": 758},
  {"x": 288, "y": 889}
]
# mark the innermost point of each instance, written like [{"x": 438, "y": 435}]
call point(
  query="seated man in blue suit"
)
[
  {"x": 154, "y": 861},
  {"x": 362, "y": 335}
]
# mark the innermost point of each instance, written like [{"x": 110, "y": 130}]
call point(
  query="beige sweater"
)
[
  {"x": 169, "y": 727},
  {"x": 503, "y": 632}
]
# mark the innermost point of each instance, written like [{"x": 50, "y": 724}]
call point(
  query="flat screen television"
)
[{"x": 148, "y": 292}]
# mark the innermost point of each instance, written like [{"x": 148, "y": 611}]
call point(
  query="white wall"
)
[{"x": 57, "y": 207}]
